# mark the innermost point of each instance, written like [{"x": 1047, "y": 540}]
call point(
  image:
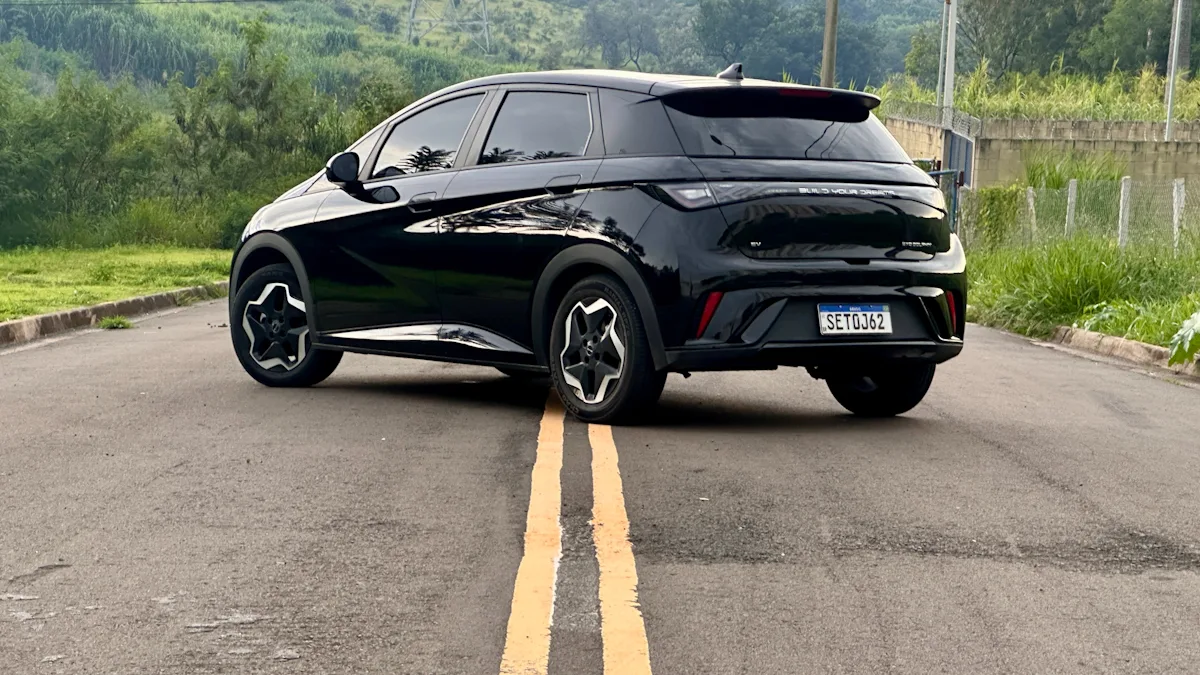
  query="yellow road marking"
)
[
  {"x": 622, "y": 629},
  {"x": 527, "y": 646}
]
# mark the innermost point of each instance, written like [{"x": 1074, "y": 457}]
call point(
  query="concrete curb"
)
[
  {"x": 20, "y": 331},
  {"x": 1132, "y": 351}
]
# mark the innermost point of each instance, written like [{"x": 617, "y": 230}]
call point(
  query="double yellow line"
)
[{"x": 622, "y": 629}]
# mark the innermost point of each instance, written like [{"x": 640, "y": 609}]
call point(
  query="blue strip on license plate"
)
[{"x": 852, "y": 308}]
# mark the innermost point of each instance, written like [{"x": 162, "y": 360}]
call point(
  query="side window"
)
[
  {"x": 636, "y": 124},
  {"x": 427, "y": 141},
  {"x": 538, "y": 125}
]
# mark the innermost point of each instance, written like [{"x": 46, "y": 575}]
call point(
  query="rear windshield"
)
[{"x": 771, "y": 126}]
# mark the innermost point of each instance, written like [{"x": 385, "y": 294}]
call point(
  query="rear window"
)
[{"x": 768, "y": 125}]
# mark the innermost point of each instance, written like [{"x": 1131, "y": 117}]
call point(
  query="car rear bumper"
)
[
  {"x": 758, "y": 329},
  {"x": 830, "y": 354}
]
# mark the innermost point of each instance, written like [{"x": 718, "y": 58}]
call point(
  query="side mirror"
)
[{"x": 342, "y": 170}]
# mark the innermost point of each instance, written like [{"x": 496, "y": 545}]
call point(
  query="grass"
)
[
  {"x": 115, "y": 323},
  {"x": 1141, "y": 293},
  {"x": 41, "y": 280},
  {"x": 1059, "y": 94}
]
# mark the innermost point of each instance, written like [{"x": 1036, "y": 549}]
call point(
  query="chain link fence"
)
[
  {"x": 927, "y": 113},
  {"x": 1129, "y": 212}
]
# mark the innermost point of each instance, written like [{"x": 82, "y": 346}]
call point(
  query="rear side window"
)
[
  {"x": 636, "y": 124},
  {"x": 768, "y": 125},
  {"x": 427, "y": 141},
  {"x": 538, "y": 125}
]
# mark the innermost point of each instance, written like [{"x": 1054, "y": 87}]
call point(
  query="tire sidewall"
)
[
  {"x": 597, "y": 287},
  {"x": 249, "y": 292}
]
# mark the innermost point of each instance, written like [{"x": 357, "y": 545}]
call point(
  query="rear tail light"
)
[
  {"x": 688, "y": 196},
  {"x": 710, "y": 308},
  {"x": 692, "y": 196}
]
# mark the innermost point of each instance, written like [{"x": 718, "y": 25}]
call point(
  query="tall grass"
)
[
  {"x": 1141, "y": 292},
  {"x": 1058, "y": 95}
]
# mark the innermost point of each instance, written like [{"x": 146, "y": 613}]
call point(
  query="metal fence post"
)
[
  {"x": 1072, "y": 197},
  {"x": 1177, "y": 213},
  {"x": 1031, "y": 200},
  {"x": 1123, "y": 219}
]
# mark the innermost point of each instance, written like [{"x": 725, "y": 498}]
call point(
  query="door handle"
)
[
  {"x": 563, "y": 185},
  {"x": 416, "y": 204}
]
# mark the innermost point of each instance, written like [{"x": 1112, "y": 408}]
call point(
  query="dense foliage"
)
[
  {"x": 95, "y": 163},
  {"x": 1035, "y": 36}
]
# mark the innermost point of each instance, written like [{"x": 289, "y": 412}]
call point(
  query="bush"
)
[
  {"x": 992, "y": 215},
  {"x": 1034, "y": 290}
]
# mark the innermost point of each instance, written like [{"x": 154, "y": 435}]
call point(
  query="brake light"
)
[
  {"x": 952, "y": 300},
  {"x": 710, "y": 308}
]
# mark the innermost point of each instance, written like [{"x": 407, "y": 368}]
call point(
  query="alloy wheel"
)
[
  {"x": 277, "y": 325},
  {"x": 593, "y": 358}
]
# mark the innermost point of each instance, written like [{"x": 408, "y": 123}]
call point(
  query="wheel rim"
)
[
  {"x": 277, "y": 326},
  {"x": 593, "y": 358}
]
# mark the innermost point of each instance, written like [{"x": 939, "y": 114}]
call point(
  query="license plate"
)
[{"x": 854, "y": 319}]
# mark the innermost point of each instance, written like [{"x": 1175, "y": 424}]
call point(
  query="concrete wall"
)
[
  {"x": 1001, "y": 161},
  {"x": 920, "y": 141},
  {"x": 1002, "y": 145}
]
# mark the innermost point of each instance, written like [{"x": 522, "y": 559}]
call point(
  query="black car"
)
[{"x": 608, "y": 228}]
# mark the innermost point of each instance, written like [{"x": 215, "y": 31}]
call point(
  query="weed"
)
[{"x": 115, "y": 323}]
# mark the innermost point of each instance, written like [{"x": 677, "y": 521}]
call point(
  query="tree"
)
[
  {"x": 725, "y": 28},
  {"x": 998, "y": 31},
  {"x": 624, "y": 30},
  {"x": 1134, "y": 33},
  {"x": 921, "y": 63}
]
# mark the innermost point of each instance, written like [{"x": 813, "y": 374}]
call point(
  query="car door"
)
[
  {"x": 535, "y": 153},
  {"x": 371, "y": 253}
]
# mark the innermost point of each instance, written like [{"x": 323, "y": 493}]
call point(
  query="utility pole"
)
[
  {"x": 942, "y": 55},
  {"x": 951, "y": 54},
  {"x": 1172, "y": 76},
  {"x": 1181, "y": 42},
  {"x": 829, "y": 56}
]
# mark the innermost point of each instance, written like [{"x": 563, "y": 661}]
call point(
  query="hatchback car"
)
[{"x": 606, "y": 229}]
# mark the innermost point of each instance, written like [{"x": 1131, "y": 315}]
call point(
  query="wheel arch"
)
[
  {"x": 264, "y": 249},
  {"x": 576, "y": 263}
]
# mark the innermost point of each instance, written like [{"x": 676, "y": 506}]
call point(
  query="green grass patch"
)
[
  {"x": 1141, "y": 293},
  {"x": 41, "y": 280},
  {"x": 115, "y": 323}
]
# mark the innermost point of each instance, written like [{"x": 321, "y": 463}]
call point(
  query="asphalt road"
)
[{"x": 162, "y": 513}]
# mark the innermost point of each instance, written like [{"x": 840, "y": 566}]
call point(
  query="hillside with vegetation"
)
[{"x": 172, "y": 123}]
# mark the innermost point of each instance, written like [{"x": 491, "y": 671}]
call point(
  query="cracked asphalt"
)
[{"x": 162, "y": 513}]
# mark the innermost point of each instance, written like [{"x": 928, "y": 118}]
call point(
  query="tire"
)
[
  {"x": 612, "y": 381},
  {"x": 268, "y": 309},
  {"x": 890, "y": 391}
]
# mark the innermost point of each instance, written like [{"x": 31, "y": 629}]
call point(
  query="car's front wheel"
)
[
  {"x": 887, "y": 391},
  {"x": 600, "y": 359},
  {"x": 269, "y": 323}
]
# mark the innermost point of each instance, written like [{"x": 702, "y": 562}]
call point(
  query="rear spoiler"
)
[{"x": 759, "y": 98}]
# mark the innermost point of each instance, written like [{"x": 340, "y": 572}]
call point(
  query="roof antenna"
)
[{"x": 733, "y": 72}]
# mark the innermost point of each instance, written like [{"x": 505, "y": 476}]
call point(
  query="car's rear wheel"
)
[
  {"x": 600, "y": 359},
  {"x": 269, "y": 323},
  {"x": 885, "y": 392}
]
